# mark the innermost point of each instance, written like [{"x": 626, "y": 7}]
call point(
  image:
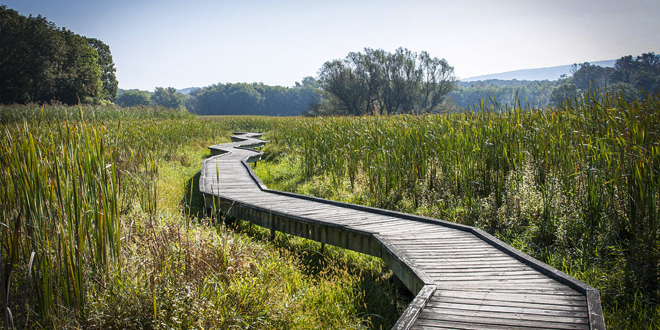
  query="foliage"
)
[
  {"x": 587, "y": 75},
  {"x": 642, "y": 71},
  {"x": 108, "y": 78},
  {"x": 133, "y": 98},
  {"x": 626, "y": 89},
  {"x": 471, "y": 94},
  {"x": 99, "y": 197},
  {"x": 633, "y": 76},
  {"x": 80, "y": 73},
  {"x": 574, "y": 186},
  {"x": 167, "y": 97},
  {"x": 41, "y": 63},
  {"x": 563, "y": 93},
  {"x": 378, "y": 82},
  {"x": 254, "y": 99}
]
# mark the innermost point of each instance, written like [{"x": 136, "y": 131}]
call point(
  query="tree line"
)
[
  {"x": 378, "y": 82},
  {"x": 373, "y": 82},
  {"x": 167, "y": 97},
  {"x": 254, "y": 99},
  {"x": 232, "y": 99},
  {"x": 535, "y": 93},
  {"x": 40, "y": 62},
  {"x": 633, "y": 77},
  {"x": 630, "y": 76}
]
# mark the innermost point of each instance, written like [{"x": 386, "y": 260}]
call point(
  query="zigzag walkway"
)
[{"x": 463, "y": 278}]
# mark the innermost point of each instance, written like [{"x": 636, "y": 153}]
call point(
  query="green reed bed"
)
[
  {"x": 66, "y": 182},
  {"x": 60, "y": 211},
  {"x": 577, "y": 186},
  {"x": 96, "y": 227}
]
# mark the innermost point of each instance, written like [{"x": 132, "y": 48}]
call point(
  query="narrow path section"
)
[{"x": 463, "y": 277}]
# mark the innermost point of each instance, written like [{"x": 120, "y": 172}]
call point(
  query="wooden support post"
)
[
  {"x": 272, "y": 235},
  {"x": 322, "y": 248}
]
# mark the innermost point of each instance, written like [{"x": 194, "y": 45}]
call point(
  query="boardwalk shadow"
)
[{"x": 193, "y": 200}]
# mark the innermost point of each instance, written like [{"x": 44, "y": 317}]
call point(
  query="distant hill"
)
[
  {"x": 187, "y": 90},
  {"x": 550, "y": 73}
]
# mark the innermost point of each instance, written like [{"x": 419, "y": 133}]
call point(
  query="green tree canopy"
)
[
  {"x": 524, "y": 92},
  {"x": 80, "y": 73},
  {"x": 167, "y": 97},
  {"x": 108, "y": 78},
  {"x": 40, "y": 62},
  {"x": 641, "y": 72},
  {"x": 133, "y": 98},
  {"x": 587, "y": 75},
  {"x": 255, "y": 99},
  {"x": 563, "y": 93}
]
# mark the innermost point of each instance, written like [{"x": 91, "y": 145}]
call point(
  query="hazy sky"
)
[{"x": 198, "y": 43}]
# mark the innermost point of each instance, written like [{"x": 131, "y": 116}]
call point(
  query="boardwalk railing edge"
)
[
  {"x": 596, "y": 317},
  {"x": 411, "y": 313}
]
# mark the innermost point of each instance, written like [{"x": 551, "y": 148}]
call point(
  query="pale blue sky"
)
[{"x": 200, "y": 42}]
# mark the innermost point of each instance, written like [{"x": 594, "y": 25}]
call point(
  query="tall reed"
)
[
  {"x": 69, "y": 176},
  {"x": 59, "y": 199},
  {"x": 590, "y": 169}
]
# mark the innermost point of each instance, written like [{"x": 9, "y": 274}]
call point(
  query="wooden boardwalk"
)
[{"x": 463, "y": 278}]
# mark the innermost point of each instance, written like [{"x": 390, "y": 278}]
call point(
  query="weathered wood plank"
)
[
  {"x": 477, "y": 285},
  {"x": 512, "y": 297},
  {"x": 487, "y": 322},
  {"x": 560, "y": 291},
  {"x": 524, "y": 310},
  {"x": 522, "y": 270},
  {"x": 549, "y": 308},
  {"x": 503, "y": 314},
  {"x": 493, "y": 277},
  {"x": 458, "y": 325}
]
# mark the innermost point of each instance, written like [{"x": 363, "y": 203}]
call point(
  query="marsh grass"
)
[
  {"x": 576, "y": 186},
  {"x": 60, "y": 197},
  {"x": 99, "y": 230},
  {"x": 376, "y": 296},
  {"x": 102, "y": 197}
]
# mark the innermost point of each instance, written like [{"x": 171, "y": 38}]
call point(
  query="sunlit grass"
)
[
  {"x": 104, "y": 199},
  {"x": 576, "y": 187}
]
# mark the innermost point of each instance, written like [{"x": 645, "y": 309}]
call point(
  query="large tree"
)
[
  {"x": 344, "y": 84},
  {"x": 40, "y": 62},
  {"x": 387, "y": 83}
]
